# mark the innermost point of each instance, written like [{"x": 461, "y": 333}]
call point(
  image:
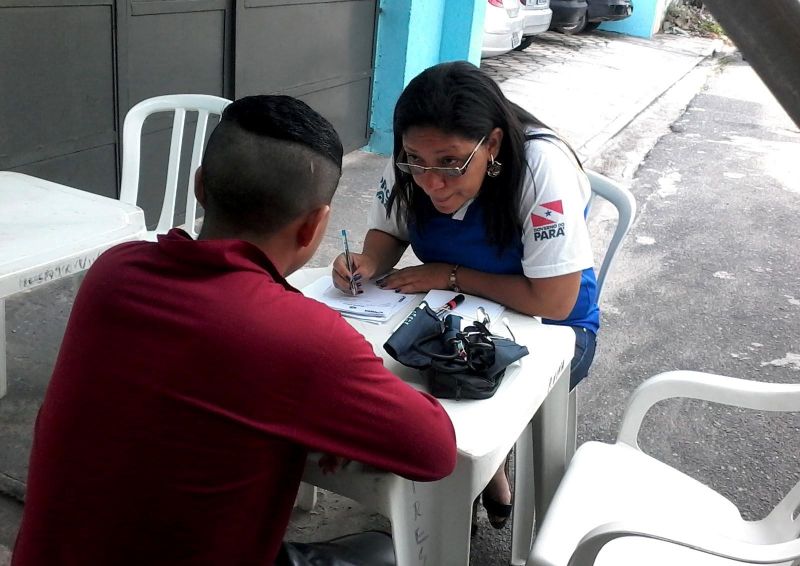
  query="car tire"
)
[
  {"x": 591, "y": 26},
  {"x": 526, "y": 41},
  {"x": 575, "y": 28}
]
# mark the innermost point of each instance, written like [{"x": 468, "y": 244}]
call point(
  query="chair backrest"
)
[
  {"x": 623, "y": 201},
  {"x": 179, "y": 104}
]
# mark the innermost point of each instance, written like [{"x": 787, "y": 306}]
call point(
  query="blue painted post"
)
[
  {"x": 644, "y": 22},
  {"x": 412, "y": 36},
  {"x": 390, "y": 64},
  {"x": 462, "y": 32}
]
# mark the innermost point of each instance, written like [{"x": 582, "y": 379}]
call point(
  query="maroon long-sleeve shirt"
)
[{"x": 190, "y": 385}]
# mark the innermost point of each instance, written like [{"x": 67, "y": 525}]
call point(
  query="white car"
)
[
  {"x": 502, "y": 27},
  {"x": 537, "y": 15}
]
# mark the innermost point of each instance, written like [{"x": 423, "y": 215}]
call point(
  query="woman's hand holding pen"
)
[
  {"x": 419, "y": 278},
  {"x": 363, "y": 268},
  {"x": 383, "y": 252}
]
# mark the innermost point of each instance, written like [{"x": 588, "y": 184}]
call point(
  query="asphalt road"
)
[{"x": 709, "y": 280}]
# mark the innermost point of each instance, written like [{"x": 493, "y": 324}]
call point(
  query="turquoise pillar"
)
[
  {"x": 412, "y": 36},
  {"x": 644, "y": 22},
  {"x": 462, "y": 32},
  {"x": 390, "y": 70}
]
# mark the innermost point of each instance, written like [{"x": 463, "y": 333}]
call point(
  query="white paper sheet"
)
[{"x": 373, "y": 305}]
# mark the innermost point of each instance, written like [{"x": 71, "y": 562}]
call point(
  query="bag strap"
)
[{"x": 419, "y": 343}]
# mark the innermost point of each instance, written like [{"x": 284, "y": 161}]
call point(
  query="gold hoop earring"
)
[{"x": 494, "y": 168}]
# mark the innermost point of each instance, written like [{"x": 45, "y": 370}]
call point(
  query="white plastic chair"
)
[
  {"x": 623, "y": 201},
  {"x": 637, "y": 510},
  {"x": 205, "y": 105}
]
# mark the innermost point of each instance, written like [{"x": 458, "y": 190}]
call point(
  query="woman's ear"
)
[{"x": 493, "y": 142}]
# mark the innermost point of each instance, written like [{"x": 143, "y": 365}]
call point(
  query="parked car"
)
[
  {"x": 537, "y": 15},
  {"x": 575, "y": 16},
  {"x": 502, "y": 27}
]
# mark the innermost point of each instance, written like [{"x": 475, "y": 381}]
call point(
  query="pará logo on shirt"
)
[
  {"x": 546, "y": 220},
  {"x": 383, "y": 192}
]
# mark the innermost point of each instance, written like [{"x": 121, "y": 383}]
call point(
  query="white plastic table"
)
[
  {"x": 431, "y": 521},
  {"x": 49, "y": 231}
]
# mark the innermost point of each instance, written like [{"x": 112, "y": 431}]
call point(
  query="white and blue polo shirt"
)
[{"x": 554, "y": 237}]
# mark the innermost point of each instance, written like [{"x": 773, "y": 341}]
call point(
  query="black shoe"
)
[{"x": 498, "y": 513}]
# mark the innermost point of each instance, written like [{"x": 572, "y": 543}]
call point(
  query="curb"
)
[{"x": 594, "y": 145}]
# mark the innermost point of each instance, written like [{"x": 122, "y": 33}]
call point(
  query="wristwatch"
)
[{"x": 453, "y": 283}]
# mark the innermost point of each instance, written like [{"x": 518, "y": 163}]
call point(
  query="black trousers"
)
[
  {"x": 372, "y": 548},
  {"x": 585, "y": 342}
]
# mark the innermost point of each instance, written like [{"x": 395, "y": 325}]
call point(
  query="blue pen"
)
[{"x": 348, "y": 260}]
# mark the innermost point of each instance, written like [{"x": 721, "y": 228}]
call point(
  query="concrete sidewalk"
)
[{"x": 588, "y": 87}]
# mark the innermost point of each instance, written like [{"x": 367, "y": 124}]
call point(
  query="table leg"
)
[
  {"x": 550, "y": 441},
  {"x": 306, "y": 497},
  {"x": 431, "y": 521},
  {"x": 431, "y": 524},
  {"x": 572, "y": 424},
  {"x": 3, "y": 375},
  {"x": 524, "y": 499}
]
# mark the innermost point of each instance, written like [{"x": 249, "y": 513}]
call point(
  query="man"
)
[{"x": 193, "y": 379}]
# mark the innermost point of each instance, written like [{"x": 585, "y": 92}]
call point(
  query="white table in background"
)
[
  {"x": 49, "y": 231},
  {"x": 431, "y": 521}
]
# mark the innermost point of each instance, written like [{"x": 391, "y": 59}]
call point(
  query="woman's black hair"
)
[{"x": 458, "y": 98}]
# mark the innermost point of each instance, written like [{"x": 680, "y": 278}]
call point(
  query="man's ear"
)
[
  {"x": 199, "y": 188},
  {"x": 313, "y": 226}
]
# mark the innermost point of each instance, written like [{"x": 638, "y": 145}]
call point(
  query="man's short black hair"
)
[{"x": 270, "y": 159}]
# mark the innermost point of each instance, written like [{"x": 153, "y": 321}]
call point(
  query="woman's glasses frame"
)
[{"x": 416, "y": 170}]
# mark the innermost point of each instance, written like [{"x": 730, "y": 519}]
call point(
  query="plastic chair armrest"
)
[
  {"x": 708, "y": 387},
  {"x": 590, "y": 545}
]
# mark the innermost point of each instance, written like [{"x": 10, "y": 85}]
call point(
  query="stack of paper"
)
[
  {"x": 373, "y": 305},
  {"x": 469, "y": 308}
]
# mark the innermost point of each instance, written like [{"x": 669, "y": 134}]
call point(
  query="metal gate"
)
[
  {"x": 57, "y": 92},
  {"x": 71, "y": 69},
  {"x": 320, "y": 51}
]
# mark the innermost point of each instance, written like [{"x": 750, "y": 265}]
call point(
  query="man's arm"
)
[{"x": 345, "y": 402}]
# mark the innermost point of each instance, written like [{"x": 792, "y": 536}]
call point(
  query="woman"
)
[{"x": 492, "y": 203}]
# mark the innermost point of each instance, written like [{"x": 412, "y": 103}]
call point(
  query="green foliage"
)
[{"x": 691, "y": 18}]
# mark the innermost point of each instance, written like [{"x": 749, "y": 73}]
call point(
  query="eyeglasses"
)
[{"x": 416, "y": 170}]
